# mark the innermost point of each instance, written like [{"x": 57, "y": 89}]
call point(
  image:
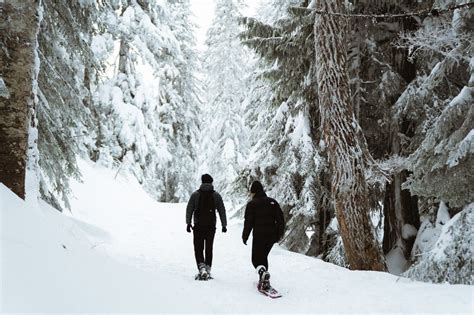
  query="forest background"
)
[{"x": 123, "y": 83}]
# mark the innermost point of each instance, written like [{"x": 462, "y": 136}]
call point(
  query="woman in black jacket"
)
[{"x": 263, "y": 215}]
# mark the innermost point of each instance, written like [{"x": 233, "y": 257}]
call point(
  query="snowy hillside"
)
[{"x": 121, "y": 251}]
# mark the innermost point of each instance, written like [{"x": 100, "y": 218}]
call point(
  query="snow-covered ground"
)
[{"x": 120, "y": 251}]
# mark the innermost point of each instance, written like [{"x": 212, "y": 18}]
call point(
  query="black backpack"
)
[{"x": 205, "y": 213}]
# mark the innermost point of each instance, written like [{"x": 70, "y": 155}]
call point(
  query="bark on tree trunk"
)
[
  {"x": 400, "y": 207},
  {"x": 340, "y": 133},
  {"x": 123, "y": 56},
  {"x": 17, "y": 64}
]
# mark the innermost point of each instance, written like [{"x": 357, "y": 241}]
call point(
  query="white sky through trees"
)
[{"x": 203, "y": 11}]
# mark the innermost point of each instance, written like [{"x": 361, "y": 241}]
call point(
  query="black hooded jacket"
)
[
  {"x": 263, "y": 215},
  {"x": 211, "y": 200}
]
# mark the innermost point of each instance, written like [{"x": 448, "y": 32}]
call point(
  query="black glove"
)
[
  {"x": 189, "y": 227},
  {"x": 245, "y": 241},
  {"x": 224, "y": 229}
]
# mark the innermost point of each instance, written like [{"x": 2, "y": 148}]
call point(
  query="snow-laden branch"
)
[{"x": 440, "y": 39}]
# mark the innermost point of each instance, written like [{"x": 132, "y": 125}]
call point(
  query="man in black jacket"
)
[
  {"x": 263, "y": 215},
  {"x": 203, "y": 204}
]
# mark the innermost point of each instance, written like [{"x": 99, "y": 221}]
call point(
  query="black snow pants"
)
[
  {"x": 203, "y": 242},
  {"x": 260, "y": 250}
]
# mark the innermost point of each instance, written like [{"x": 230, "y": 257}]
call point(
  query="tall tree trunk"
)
[
  {"x": 123, "y": 56},
  {"x": 124, "y": 47},
  {"x": 340, "y": 132},
  {"x": 400, "y": 207},
  {"x": 17, "y": 64}
]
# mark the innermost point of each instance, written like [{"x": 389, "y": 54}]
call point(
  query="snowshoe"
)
[
  {"x": 264, "y": 286},
  {"x": 201, "y": 278},
  {"x": 268, "y": 290}
]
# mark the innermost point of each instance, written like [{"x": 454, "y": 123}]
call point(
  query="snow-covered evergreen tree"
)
[
  {"x": 438, "y": 107},
  {"x": 184, "y": 102},
  {"x": 282, "y": 112},
  {"x": 66, "y": 78},
  {"x": 139, "y": 115},
  {"x": 443, "y": 139},
  {"x": 226, "y": 64},
  {"x": 147, "y": 108}
]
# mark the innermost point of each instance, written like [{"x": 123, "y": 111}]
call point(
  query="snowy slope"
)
[{"x": 124, "y": 252}]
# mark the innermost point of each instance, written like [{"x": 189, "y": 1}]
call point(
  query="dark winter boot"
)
[{"x": 263, "y": 278}]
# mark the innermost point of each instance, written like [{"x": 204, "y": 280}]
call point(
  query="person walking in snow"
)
[
  {"x": 202, "y": 205},
  {"x": 263, "y": 215}
]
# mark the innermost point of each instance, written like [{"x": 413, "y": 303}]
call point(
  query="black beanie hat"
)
[
  {"x": 206, "y": 179},
  {"x": 256, "y": 187}
]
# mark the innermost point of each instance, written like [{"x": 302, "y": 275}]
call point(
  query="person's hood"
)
[
  {"x": 206, "y": 187},
  {"x": 257, "y": 189},
  {"x": 260, "y": 194}
]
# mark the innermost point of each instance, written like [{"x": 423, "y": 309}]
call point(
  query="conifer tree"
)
[
  {"x": 67, "y": 76},
  {"x": 153, "y": 126},
  {"x": 186, "y": 106},
  {"x": 226, "y": 64},
  {"x": 347, "y": 156},
  {"x": 282, "y": 113}
]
